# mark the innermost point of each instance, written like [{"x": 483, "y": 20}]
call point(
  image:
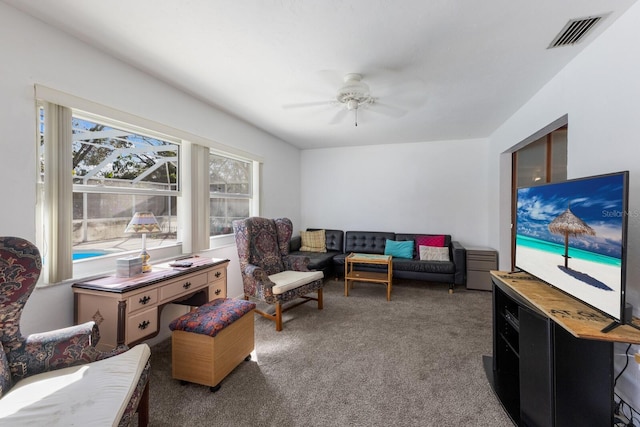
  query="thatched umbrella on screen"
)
[{"x": 568, "y": 224}]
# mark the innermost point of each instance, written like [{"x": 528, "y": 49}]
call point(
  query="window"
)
[
  {"x": 115, "y": 174},
  {"x": 541, "y": 161},
  {"x": 230, "y": 189},
  {"x": 116, "y": 170},
  {"x": 98, "y": 166}
]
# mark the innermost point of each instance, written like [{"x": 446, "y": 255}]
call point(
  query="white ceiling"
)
[{"x": 459, "y": 68}]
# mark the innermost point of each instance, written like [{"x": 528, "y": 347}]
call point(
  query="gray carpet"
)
[{"x": 362, "y": 361}]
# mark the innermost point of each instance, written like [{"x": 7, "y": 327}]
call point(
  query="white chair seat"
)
[
  {"x": 289, "y": 279},
  {"x": 93, "y": 394}
]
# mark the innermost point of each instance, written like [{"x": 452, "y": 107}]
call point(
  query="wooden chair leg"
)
[
  {"x": 278, "y": 316},
  {"x": 320, "y": 299},
  {"x": 143, "y": 408}
]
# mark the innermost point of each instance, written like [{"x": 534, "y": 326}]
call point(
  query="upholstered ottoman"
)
[{"x": 209, "y": 342}]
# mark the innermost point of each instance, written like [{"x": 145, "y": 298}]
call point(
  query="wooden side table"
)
[
  {"x": 127, "y": 310},
  {"x": 353, "y": 275}
]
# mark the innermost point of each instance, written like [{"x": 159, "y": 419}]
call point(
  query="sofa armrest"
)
[
  {"x": 295, "y": 243},
  {"x": 459, "y": 256}
]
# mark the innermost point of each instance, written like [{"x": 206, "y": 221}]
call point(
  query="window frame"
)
[
  {"x": 249, "y": 196},
  {"x": 191, "y": 221}
]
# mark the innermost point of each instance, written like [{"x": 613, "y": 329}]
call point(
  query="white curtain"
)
[
  {"x": 195, "y": 202},
  {"x": 58, "y": 194}
]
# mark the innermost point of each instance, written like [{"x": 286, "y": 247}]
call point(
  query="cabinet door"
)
[
  {"x": 536, "y": 369},
  {"x": 584, "y": 381}
]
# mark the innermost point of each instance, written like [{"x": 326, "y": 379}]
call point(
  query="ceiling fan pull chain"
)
[{"x": 356, "y": 117}]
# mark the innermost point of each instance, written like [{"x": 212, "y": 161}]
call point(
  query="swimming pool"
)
[{"x": 87, "y": 253}]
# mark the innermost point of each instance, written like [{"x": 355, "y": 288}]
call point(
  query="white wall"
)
[
  {"x": 428, "y": 187},
  {"x": 600, "y": 92},
  {"x": 33, "y": 52}
]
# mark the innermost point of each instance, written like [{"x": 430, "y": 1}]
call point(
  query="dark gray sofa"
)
[
  {"x": 321, "y": 260},
  {"x": 452, "y": 272},
  {"x": 340, "y": 244}
]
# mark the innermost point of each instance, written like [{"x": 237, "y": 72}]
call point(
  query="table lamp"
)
[{"x": 143, "y": 223}]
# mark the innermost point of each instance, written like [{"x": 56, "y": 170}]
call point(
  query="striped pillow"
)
[{"x": 313, "y": 241}]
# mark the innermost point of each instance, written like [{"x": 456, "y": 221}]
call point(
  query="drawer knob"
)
[
  {"x": 218, "y": 274},
  {"x": 187, "y": 285},
  {"x": 217, "y": 291},
  {"x": 144, "y": 299},
  {"x": 144, "y": 325}
]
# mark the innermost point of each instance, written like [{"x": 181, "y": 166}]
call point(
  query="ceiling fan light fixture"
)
[
  {"x": 352, "y": 104},
  {"x": 353, "y": 93}
]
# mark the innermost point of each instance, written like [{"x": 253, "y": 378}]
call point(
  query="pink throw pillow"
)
[{"x": 433, "y": 240}]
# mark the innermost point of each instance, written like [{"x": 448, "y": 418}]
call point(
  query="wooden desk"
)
[
  {"x": 353, "y": 275},
  {"x": 127, "y": 310},
  {"x": 552, "y": 365}
]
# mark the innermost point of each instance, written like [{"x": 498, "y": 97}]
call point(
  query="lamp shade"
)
[{"x": 143, "y": 222}]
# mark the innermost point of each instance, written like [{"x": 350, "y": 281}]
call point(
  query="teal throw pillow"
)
[{"x": 399, "y": 249}]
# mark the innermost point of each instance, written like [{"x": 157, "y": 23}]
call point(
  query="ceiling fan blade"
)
[
  {"x": 409, "y": 93},
  {"x": 308, "y": 104},
  {"x": 340, "y": 115},
  {"x": 386, "y": 109}
]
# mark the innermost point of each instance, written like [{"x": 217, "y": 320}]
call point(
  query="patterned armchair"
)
[
  {"x": 269, "y": 273},
  {"x": 22, "y": 357}
]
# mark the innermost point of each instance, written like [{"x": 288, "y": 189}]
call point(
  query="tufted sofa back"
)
[
  {"x": 334, "y": 239},
  {"x": 372, "y": 242}
]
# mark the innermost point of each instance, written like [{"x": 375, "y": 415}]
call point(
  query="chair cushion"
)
[
  {"x": 93, "y": 394},
  {"x": 289, "y": 279},
  {"x": 212, "y": 317}
]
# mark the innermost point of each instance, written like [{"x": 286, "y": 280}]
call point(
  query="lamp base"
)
[{"x": 146, "y": 267}]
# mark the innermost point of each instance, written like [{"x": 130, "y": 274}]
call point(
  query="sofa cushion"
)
[
  {"x": 434, "y": 253},
  {"x": 317, "y": 260},
  {"x": 437, "y": 267},
  {"x": 399, "y": 249},
  {"x": 93, "y": 394},
  {"x": 289, "y": 279},
  {"x": 313, "y": 241}
]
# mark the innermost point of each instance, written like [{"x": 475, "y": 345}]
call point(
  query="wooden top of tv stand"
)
[{"x": 577, "y": 318}]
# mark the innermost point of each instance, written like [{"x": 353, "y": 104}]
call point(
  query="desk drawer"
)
[
  {"x": 142, "y": 300},
  {"x": 217, "y": 290},
  {"x": 183, "y": 286},
  {"x": 218, "y": 274},
  {"x": 142, "y": 324}
]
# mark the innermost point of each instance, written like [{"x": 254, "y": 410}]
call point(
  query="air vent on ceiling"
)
[{"x": 575, "y": 30}]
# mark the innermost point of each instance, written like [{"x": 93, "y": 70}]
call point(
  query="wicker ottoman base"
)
[{"x": 207, "y": 360}]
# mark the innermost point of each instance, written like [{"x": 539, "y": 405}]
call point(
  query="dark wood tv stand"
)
[{"x": 552, "y": 365}]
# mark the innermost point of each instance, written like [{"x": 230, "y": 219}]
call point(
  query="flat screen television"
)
[{"x": 573, "y": 236}]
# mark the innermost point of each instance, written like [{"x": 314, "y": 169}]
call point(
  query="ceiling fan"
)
[{"x": 354, "y": 95}]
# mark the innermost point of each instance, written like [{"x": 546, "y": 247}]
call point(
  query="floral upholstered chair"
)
[
  {"x": 269, "y": 273},
  {"x": 23, "y": 358}
]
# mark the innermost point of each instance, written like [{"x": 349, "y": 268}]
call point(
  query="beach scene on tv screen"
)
[{"x": 570, "y": 235}]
